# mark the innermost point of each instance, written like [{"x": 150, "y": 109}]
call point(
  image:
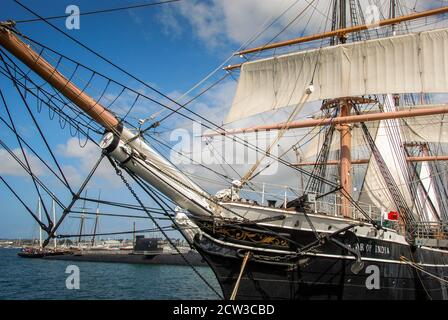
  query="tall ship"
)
[{"x": 370, "y": 218}]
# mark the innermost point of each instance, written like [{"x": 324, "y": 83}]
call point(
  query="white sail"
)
[
  {"x": 411, "y": 63},
  {"x": 431, "y": 129},
  {"x": 374, "y": 189},
  {"x": 389, "y": 142},
  {"x": 428, "y": 196}
]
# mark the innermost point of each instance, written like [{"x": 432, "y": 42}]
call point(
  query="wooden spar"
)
[
  {"x": 46, "y": 71},
  {"x": 427, "y": 158},
  {"x": 235, "y": 66},
  {"x": 340, "y": 33},
  {"x": 366, "y": 161},
  {"x": 428, "y": 110},
  {"x": 345, "y": 31},
  {"x": 329, "y": 163}
]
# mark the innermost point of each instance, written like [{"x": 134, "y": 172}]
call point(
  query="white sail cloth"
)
[
  {"x": 431, "y": 129},
  {"x": 374, "y": 189},
  {"x": 388, "y": 141},
  {"x": 410, "y": 63}
]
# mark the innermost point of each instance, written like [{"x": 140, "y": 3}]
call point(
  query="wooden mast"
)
[
  {"x": 346, "y": 158},
  {"x": 345, "y": 132},
  {"x": 35, "y": 62},
  {"x": 340, "y": 33}
]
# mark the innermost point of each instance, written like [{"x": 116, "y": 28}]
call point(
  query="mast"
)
[
  {"x": 342, "y": 19},
  {"x": 82, "y": 218},
  {"x": 95, "y": 225},
  {"x": 346, "y": 158},
  {"x": 133, "y": 235},
  {"x": 97, "y": 216},
  {"x": 334, "y": 20},
  {"x": 344, "y": 129},
  {"x": 53, "y": 209},
  {"x": 81, "y": 227},
  {"x": 393, "y": 8},
  {"x": 39, "y": 212}
]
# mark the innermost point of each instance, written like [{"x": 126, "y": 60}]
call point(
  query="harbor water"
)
[{"x": 22, "y": 278}]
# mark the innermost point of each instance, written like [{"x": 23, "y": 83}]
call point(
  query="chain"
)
[{"x": 137, "y": 198}]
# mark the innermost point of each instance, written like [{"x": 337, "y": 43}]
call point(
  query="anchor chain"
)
[{"x": 119, "y": 173}]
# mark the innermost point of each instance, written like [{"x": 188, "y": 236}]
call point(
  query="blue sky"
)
[
  {"x": 137, "y": 41},
  {"x": 171, "y": 47}
]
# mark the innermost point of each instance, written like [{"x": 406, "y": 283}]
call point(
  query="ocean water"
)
[{"x": 30, "y": 279}]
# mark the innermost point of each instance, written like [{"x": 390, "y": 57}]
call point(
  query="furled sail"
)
[{"x": 411, "y": 63}]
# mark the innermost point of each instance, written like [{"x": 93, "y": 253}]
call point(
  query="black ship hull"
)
[{"x": 326, "y": 273}]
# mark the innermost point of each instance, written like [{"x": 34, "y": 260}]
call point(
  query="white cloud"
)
[
  {"x": 170, "y": 25},
  {"x": 216, "y": 102},
  {"x": 223, "y": 22},
  {"x": 73, "y": 174},
  {"x": 9, "y": 166},
  {"x": 218, "y": 22},
  {"x": 214, "y": 107},
  {"x": 86, "y": 158}
]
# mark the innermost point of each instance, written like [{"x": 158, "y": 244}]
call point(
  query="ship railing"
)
[
  {"x": 430, "y": 234},
  {"x": 278, "y": 196},
  {"x": 430, "y": 229}
]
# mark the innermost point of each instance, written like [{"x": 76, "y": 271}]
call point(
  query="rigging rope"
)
[
  {"x": 320, "y": 167},
  {"x": 28, "y": 166},
  {"x": 137, "y": 198},
  {"x": 44, "y": 139},
  {"x": 33, "y": 151},
  {"x": 41, "y": 224},
  {"x": 120, "y": 204},
  {"x": 50, "y": 103},
  {"x": 143, "y": 5},
  {"x": 150, "y": 87},
  {"x": 397, "y": 196},
  {"x": 237, "y": 139},
  {"x": 74, "y": 199},
  {"x": 247, "y": 144},
  {"x": 249, "y": 175},
  {"x": 418, "y": 267}
]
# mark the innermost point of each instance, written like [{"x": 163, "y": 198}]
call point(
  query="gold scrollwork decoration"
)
[{"x": 250, "y": 236}]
